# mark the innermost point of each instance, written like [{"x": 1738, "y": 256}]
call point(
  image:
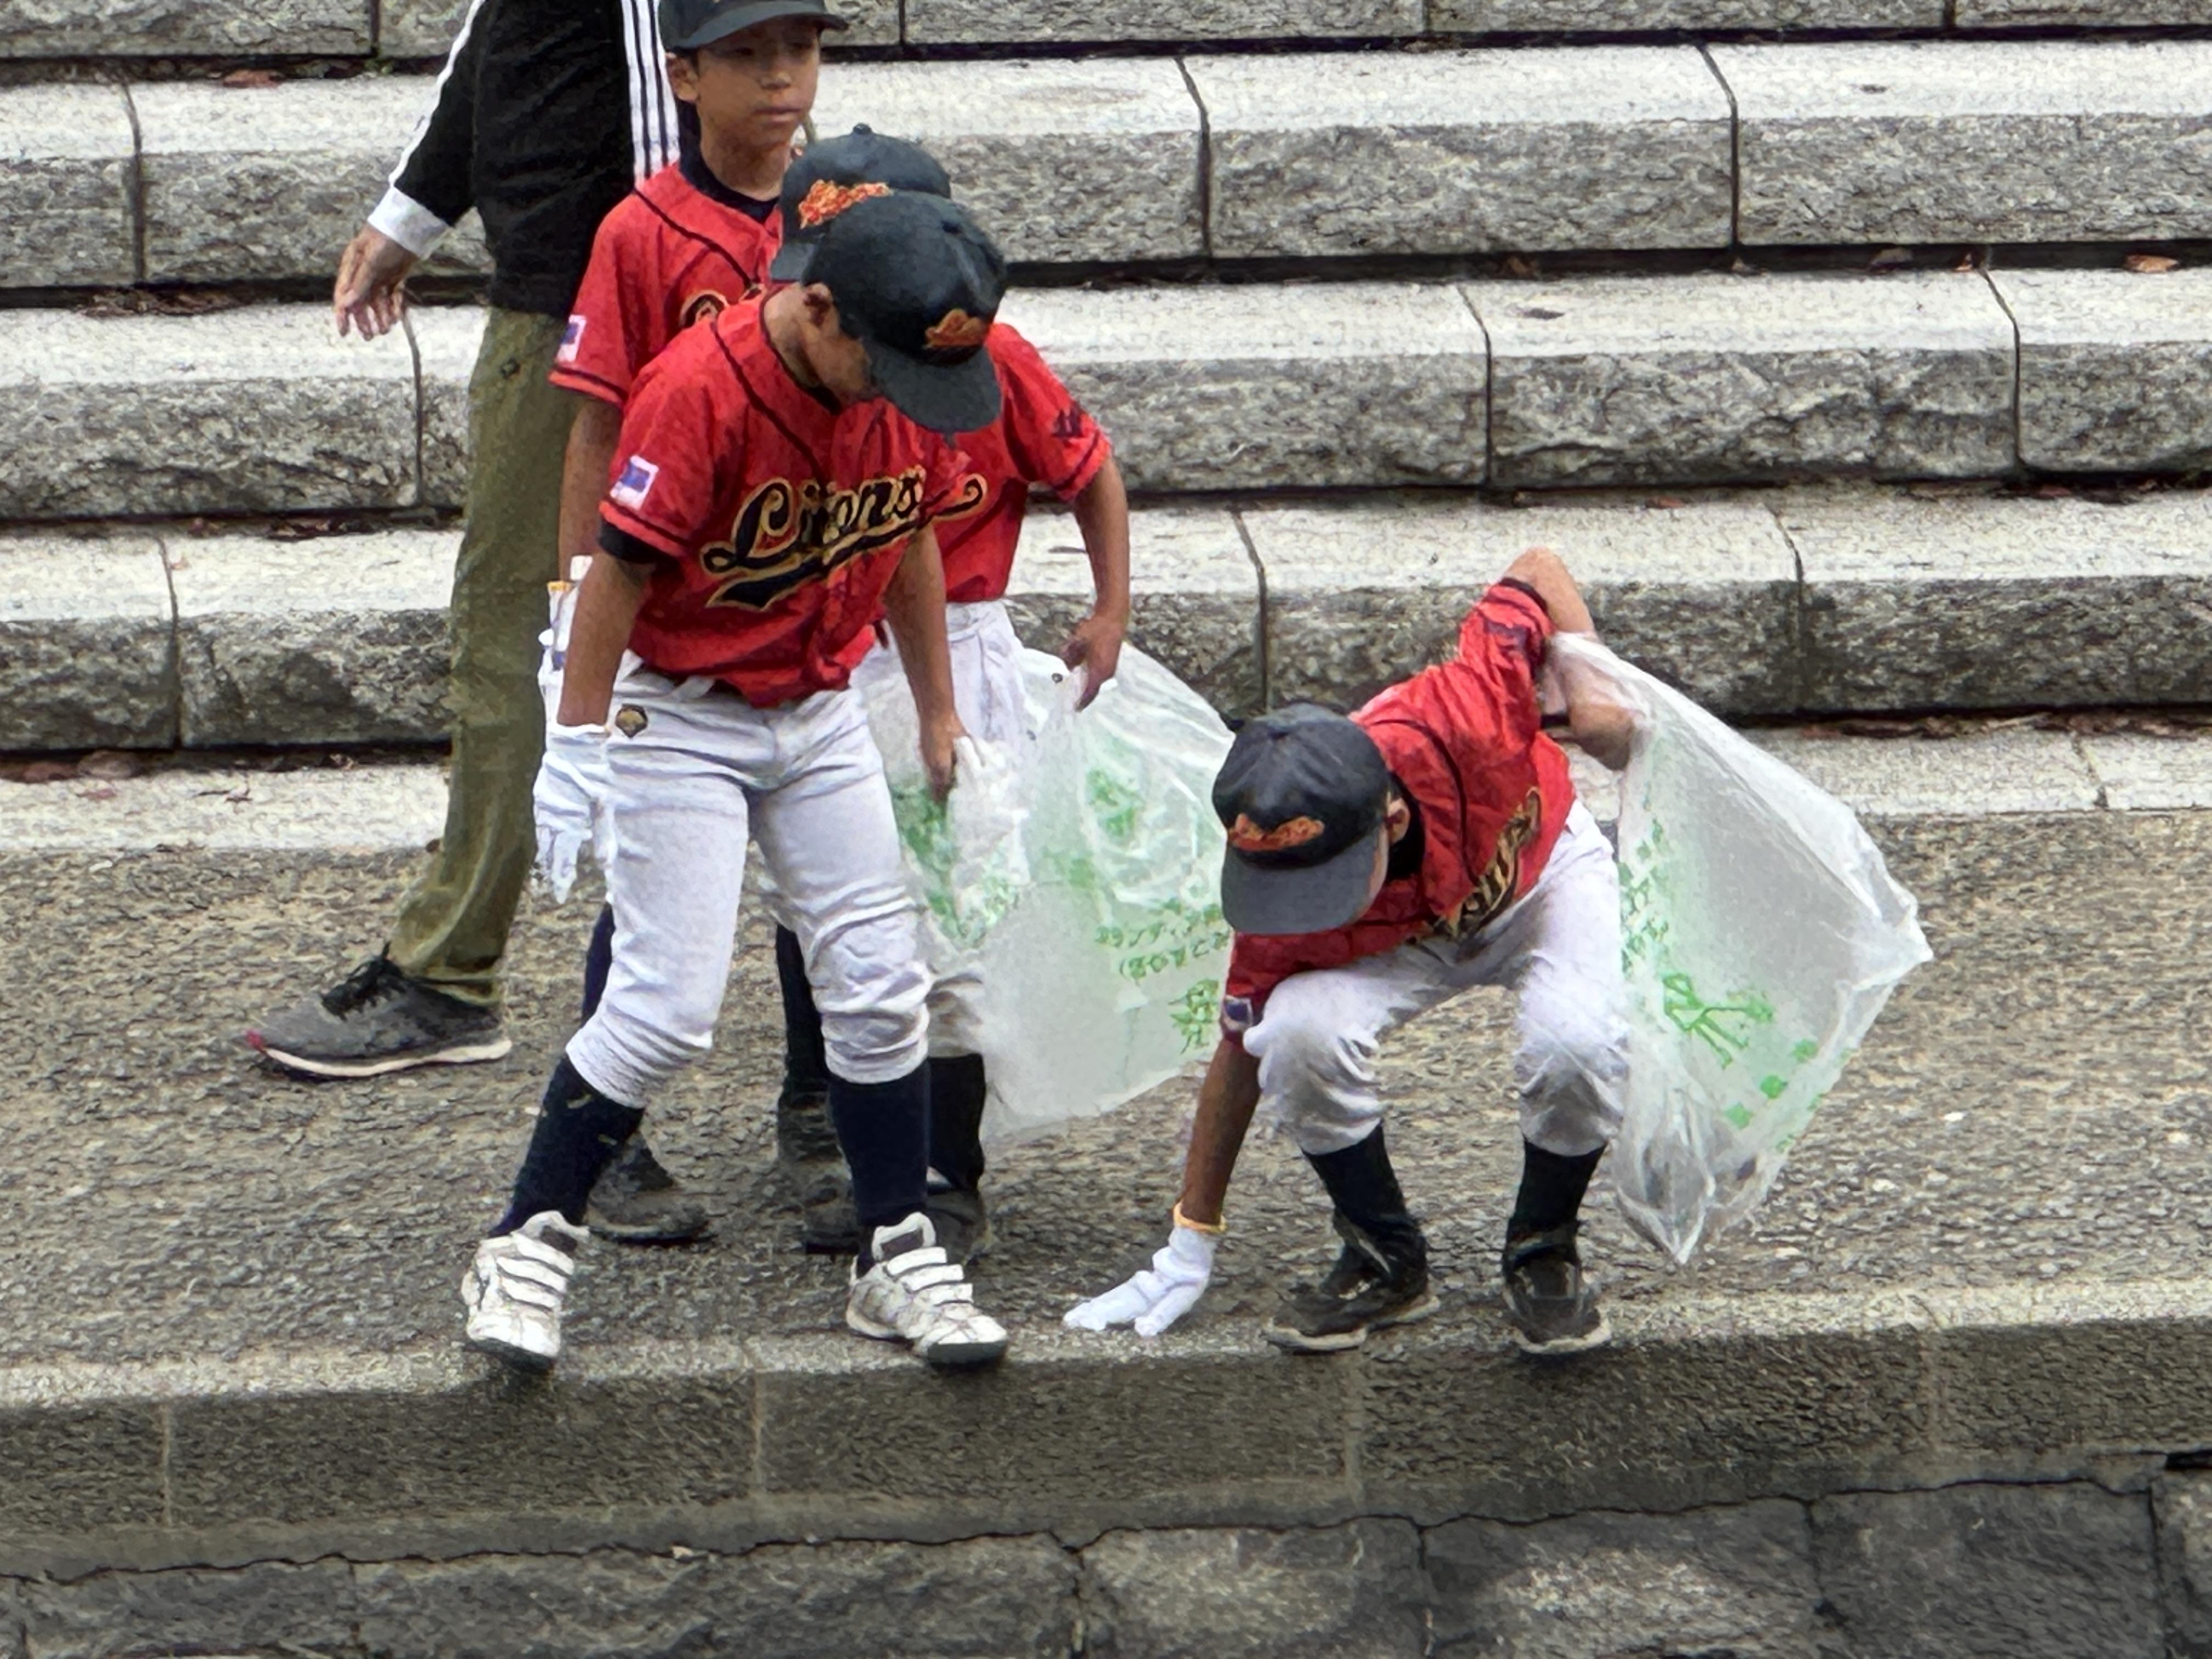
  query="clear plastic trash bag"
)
[
  {"x": 1761, "y": 933},
  {"x": 1104, "y": 978}
]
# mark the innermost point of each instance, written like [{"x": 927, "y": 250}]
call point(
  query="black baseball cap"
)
[
  {"x": 687, "y": 25},
  {"x": 918, "y": 283},
  {"x": 1303, "y": 795},
  {"x": 836, "y": 174}
]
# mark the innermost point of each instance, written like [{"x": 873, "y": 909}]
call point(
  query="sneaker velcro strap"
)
[
  {"x": 522, "y": 1245},
  {"x": 519, "y": 1271},
  {"x": 529, "y": 1295},
  {"x": 1553, "y": 1240},
  {"x": 931, "y": 1276},
  {"x": 913, "y": 1261}
]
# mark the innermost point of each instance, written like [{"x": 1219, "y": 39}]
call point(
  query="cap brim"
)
[
  {"x": 790, "y": 261},
  {"x": 938, "y": 396},
  {"x": 1313, "y": 899},
  {"x": 726, "y": 22}
]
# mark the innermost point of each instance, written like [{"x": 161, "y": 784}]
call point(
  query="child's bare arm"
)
[
  {"x": 1101, "y": 512},
  {"x": 592, "y": 443},
  {"x": 606, "y": 608},
  {"x": 1602, "y": 728}
]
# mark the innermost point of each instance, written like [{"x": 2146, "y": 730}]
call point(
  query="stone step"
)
[
  {"x": 1629, "y": 382},
  {"x": 1306, "y": 156},
  {"x": 1761, "y": 605},
  {"x": 424, "y": 29},
  {"x": 1935, "y": 1293}
]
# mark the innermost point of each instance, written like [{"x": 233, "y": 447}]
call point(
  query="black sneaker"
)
[
  {"x": 961, "y": 1220},
  {"x": 639, "y": 1202},
  {"x": 813, "y": 1166},
  {"x": 1550, "y": 1305},
  {"x": 375, "y": 1020},
  {"x": 1374, "y": 1284}
]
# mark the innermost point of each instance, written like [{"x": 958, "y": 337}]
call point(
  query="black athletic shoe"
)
[
  {"x": 961, "y": 1220},
  {"x": 639, "y": 1202},
  {"x": 1374, "y": 1285},
  {"x": 375, "y": 1020},
  {"x": 813, "y": 1167},
  {"x": 1551, "y": 1308}
]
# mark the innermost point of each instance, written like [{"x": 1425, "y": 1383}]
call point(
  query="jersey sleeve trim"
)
[
  {"x": 572, "y": 378},
  {"x": 1087, "y": 469},
  {"x": 630, "y": 550}
]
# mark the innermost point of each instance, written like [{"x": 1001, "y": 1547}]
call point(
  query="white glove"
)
[
  {"x": 570, "y": 800},
  {"x": 1155, "y": 1298}
]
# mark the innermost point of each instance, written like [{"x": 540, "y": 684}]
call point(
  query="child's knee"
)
[{"x": 872, "y": 988}]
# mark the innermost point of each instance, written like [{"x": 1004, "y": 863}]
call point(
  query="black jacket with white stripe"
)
[{"x": 546, "y": 114}]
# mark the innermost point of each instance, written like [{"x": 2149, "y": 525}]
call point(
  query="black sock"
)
[
  {"x": 577, "y": 1135},
  {"x": 1552, "y": 1188},
  {"x": 1365, "y": 1189},
  {"x": 957, "y": 1090},
  {"x": 806, "y": 1066},
  {"x": 598, "y": 961},
  {"x": 884, "y": 1128}
]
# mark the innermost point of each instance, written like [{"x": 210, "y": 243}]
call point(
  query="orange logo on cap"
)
[
  {"x": 1247, "y": 836},
  {"x": 827, "y": 200},
  {"x": 957, "y": 331}
]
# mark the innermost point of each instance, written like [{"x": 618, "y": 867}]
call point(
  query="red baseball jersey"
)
[
  {"x": 1465, "y": 743},
  {"x": 772, "y": 523},
  {"x": 1041, "y": 436},
  {"x": 677, "y": 250}
]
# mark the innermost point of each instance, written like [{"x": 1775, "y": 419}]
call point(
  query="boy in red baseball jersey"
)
[
  {"x": 1042, "y": 437},
  {"x": 1378, "y": 866},
  {"x": 777, "y": 480}
]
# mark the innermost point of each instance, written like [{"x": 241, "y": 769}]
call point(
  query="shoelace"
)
[{"x": 375, "y": 980}]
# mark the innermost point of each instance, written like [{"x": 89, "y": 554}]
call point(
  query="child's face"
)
[{"x": 753, "y": 89}]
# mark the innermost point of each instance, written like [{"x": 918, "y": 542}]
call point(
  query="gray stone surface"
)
[
  {"x": 2086, "y": 13},
  {"x": 77, "y": 1467},
  {"x": 261, "y": 409},
  {"x": 1990, "y": 1572},
  {"x": 2052, "y": 140},
  {"x": 1363, "y": 594},
  {"x": 86, "y": 645},
  {"x": 1267, "y": 385},
  {"x": 1195, "y": 596},
  {"x": 1995, "y": 602},
  {"x": 354, "y": 809},
  {"x": 245, "y": 183},
  {"x": 1347, "y": 1592},
  {"x": 446, "y": 339},
  {"x": 986, "y": 1598},
  {"x": 1604, "y": 16},
  {"x": 418, "y": 29},
  {"x": 2115, "y": 369},
  {"x": 339, "y": 640},
  {"x": 155, "y": 28},
  {"x": 2149, "y": 774},
  {"x": 1595, "y": 147},
  {"x": 249, "y": 1610},
  {"x": 1736, "y": 1581},
  {"x": 930, "y": 22},
  {"x": 2183, "y": 1502},
  {"x": 1692, "y": 379},
  {"x": 1060, "y": 160},
  {"x": 1998, "y": 771},
  {"x": 66, "y": 181}
]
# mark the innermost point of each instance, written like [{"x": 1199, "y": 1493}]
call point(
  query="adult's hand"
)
[{"x": 370, "y": 293}]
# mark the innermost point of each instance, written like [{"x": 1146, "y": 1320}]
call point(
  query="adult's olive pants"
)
[{"x": 453, "y": 923}]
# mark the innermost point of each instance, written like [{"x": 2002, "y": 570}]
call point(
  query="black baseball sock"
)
[
  {"x": 806, "y": 1066},
  {"x": 1364, "y": 1189},
  {"x": 577, "y": 1135},
  {"x": 884, "y": 1128},
  {"x": 598, "y": 961},
  {"x": 957, "y": 1090},
  {"x": 1552, "y": 1188}
]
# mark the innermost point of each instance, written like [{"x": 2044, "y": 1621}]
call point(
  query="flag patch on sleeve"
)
[
  {"x": 634, "y": 484},
  {"x": 571, "y": 340}
]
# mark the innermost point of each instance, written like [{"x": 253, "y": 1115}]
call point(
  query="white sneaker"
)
[
  {"x": 513, "y": 1292},
  {"x": 917, "y": 1295}
]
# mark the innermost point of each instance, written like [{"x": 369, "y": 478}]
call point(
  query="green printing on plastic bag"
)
[{"x": 924, "y": 829}]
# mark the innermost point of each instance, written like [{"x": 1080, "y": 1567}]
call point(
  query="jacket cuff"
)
[{"x": 408, "y": 222}]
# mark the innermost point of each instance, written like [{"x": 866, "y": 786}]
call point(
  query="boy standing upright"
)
[
  {"x": 775, "y": 492},
  {"x": 692, "y": 240},
  {"x": 1379, "y": 867}
]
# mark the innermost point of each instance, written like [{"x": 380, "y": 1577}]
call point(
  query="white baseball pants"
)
[
  {"x": 1558, "y": 948},
  {"x": 987, "y": 690},
  {"x": 703, "y": 772}
]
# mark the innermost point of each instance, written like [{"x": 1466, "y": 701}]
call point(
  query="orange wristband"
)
[{"x": 1213, "y": 1229}]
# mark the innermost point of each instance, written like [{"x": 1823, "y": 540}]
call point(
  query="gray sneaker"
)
[
  {"x": 638, "y": 1202},
  {"x": 1549, "y": 1305},
  {"x": 376, "y": 1020}
]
